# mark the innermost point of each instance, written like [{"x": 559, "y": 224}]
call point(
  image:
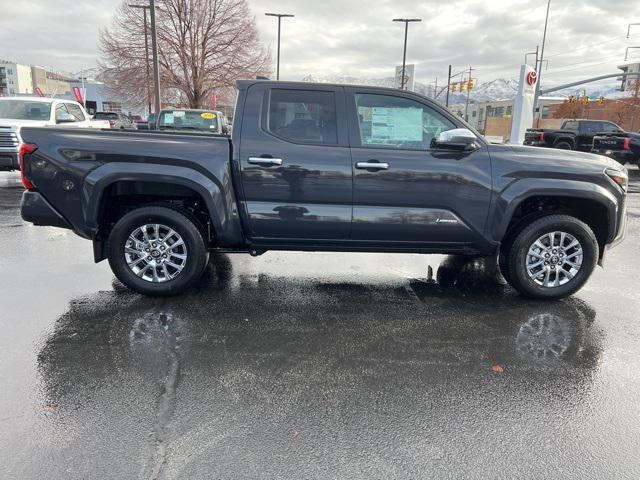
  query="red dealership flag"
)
[
  {"x": 39, "y": 92},
  {"x": 78, "y": 94}
]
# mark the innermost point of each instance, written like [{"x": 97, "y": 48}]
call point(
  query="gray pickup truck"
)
[{"x": 319, "y": 167}]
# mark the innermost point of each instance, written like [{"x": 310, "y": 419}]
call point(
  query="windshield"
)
[
  {"x": 189, "y": 120},
  {"x": 24, "y": 110}
]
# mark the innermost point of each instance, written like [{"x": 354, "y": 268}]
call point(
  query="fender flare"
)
[
  {"x": 98, "y": 180},
  {"x": 520, "y": 190}
]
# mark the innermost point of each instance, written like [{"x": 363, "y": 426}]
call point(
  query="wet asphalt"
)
[{"x": 322, "y": 365}]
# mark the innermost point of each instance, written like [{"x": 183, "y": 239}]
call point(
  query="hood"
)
[
  {"x": 10, "y": 122},
  {"x": 562, "y": 158}
]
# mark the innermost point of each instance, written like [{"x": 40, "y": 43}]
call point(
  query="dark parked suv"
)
[{"x": 325, "y": 167}]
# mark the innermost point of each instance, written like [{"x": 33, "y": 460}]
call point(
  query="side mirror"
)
[
  {"x": 458, "y": 138},
  {"x": 65, "y": 118}
]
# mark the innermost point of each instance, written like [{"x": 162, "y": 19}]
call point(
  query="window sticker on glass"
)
[
  {"x": 208, "y": 115},
  {"x": 397, "y": 124},
  {"x": 168, "y": 118},
  {"x": 179, "y": 114}
]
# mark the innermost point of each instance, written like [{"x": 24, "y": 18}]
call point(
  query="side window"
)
[
  {"x": 387, "y": 121},
  {"x": 303, "y": 116},
  {"x": 573, "y": 126},
  {"x": 61, "y": 111},
  {"x": 610, "y": 127},
  {"x": 76, "y": 111}
]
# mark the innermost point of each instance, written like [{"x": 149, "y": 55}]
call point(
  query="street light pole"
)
[
  {"x": 279, "y": 15},
  {"x": 404, "y": 50},
  {"x": 146, "y": 53},
  {"x": 448, "y": 86},
  {"x": 154, "y": 52},
  {"x": 539, "y": 68}
]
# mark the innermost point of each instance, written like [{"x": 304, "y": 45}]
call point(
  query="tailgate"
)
[{"x": 610, "y": 141}]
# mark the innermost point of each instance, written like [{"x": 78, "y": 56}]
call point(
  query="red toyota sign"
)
[
  {"x": 532, "y": 77},
  {"x": 78, "y": 94}
]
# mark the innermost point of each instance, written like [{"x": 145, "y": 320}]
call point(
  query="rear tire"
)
[
  {"x": 552, "y": 257},
  {"x": 157, "y": 251},
  {"x": 563, "y": 146}
]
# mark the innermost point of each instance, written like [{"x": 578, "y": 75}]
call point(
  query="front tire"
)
[
  {"x": 157, "y": 251},
  {"x": 552, "y": 257}
]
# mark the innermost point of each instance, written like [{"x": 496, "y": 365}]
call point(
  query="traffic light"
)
[
  {"x": 462, "y": 85},
  {"x": 585, "y": 100},
  {"x": 571, "y": 99},
  {"x": 454, "y": 87},
  {"x": 601, "y": 101},
  {"x": 470, "y": 84}
]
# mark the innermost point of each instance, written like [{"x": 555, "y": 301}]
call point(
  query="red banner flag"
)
[
  {"x": 39, "y": 92},
  {"x": 78, "y": 94}
]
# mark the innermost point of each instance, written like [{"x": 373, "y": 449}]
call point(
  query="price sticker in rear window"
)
[{"x": 208, "y": 115}]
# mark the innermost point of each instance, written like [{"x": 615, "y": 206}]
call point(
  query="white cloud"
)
[{"x": 357, "y": 37}]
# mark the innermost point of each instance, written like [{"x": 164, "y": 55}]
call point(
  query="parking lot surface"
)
[{"x": 312, "y": 365}]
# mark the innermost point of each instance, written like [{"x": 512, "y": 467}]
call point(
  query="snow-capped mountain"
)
[{"x": 494, "y": 90}]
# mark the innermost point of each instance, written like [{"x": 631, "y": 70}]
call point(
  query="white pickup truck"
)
[{"x": 18, "y": 112}]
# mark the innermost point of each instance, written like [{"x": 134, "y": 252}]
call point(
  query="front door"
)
[
  {"x": 295, "y": 164},
  {"x": 406, "y": 189}
]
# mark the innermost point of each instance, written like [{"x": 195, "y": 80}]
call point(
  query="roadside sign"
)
[{"x": 408, "y": 76}]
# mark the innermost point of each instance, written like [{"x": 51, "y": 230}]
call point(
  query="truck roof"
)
[{"x": 244, "y": 84}]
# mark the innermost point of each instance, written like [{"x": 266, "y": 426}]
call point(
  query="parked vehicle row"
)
[
  {"x": 19, "y": 112},
  {"x": 596, "y": 136},
  {"x": 321, "y": 167}
]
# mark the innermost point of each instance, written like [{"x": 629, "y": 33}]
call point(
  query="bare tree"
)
[{"x": 203, "y": 47}]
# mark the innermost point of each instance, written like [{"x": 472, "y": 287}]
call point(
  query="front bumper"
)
[
  {"x": 620, "y": 234},
  {"x": 9, "y": 161},
  {"x": 34, "y": 208}
]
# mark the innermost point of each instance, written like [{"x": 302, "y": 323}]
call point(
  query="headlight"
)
[{"x": 618, "y": 177}]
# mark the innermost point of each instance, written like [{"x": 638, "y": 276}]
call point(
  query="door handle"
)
[
  {"x": 372, "y": 165},
  {"x": 265, "y": 161}
]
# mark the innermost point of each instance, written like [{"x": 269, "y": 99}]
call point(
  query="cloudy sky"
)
[{"x": 357, "y": 37}]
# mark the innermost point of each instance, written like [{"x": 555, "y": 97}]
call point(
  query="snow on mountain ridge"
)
[{"x": 491, "y": 91}]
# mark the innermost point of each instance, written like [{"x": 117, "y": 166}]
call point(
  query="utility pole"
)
[
  {"x": 146, "y": 53},
  {"x": 448, "y": 86},
  {"x": 154, "y": 52},
  {"x": 539, "y": 69},
  {"x": 466, "y": 107},
  {"x": 279, "y": 15},
  {"x": 404, "y": 50},
  {"x": 435, "y": 88}
]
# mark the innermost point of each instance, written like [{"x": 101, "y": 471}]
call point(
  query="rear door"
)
[
  {"x": 295, "y": 164},
  {"x": 406, "y": 190}
]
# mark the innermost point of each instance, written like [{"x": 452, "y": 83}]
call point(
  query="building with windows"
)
[
  {"x": 15, "y": 79},
  {"x": 50, "y": 83},
  {"x": 629, "y": 83}
]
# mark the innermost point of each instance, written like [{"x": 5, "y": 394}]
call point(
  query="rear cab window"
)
[{"x": 303, "y": 116}]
